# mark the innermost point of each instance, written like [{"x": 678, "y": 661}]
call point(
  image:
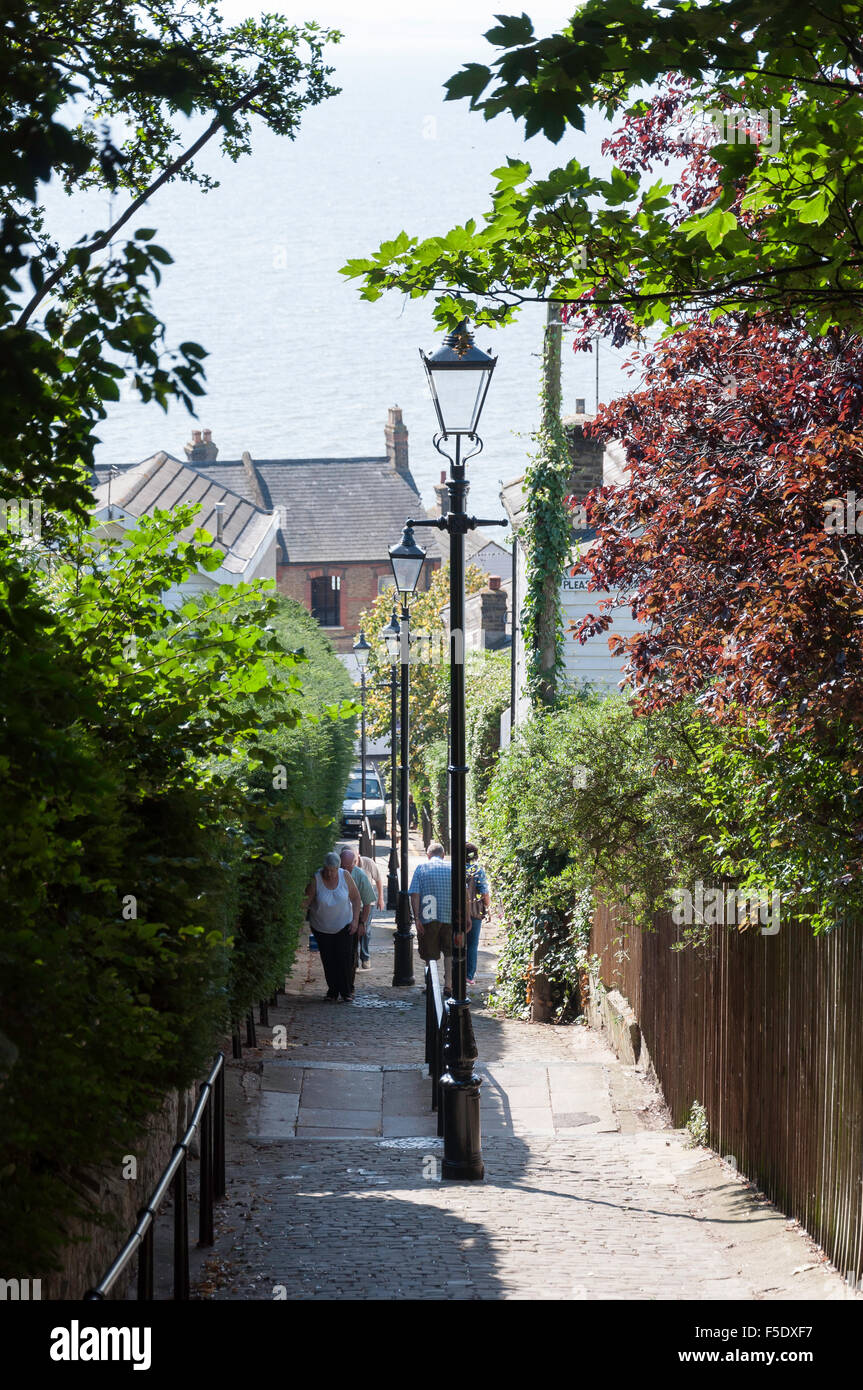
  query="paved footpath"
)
[{"x": 334, "y": 1169}]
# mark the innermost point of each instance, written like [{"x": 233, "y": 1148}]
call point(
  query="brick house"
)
[{"x": 337, "y": 518}]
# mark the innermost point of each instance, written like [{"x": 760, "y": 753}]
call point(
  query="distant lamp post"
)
[
  {"x": 458, "y": 376},
  {"x": 392, "y": 642},
  {"x": 362, "y": 651},
  {"x": 406, "y": 559}
]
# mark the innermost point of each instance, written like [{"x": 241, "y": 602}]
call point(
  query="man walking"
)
[
  {"x": 368, "y": 897},
  {"x": 431, "y": 903}
]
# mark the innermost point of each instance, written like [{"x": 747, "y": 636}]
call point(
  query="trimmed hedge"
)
[{"x": 301, "y": 782}]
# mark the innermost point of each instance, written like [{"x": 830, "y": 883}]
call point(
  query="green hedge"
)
[
  {"x": 488, "y": 690},
  {"x": 134, "y": 848},
  {"x": 434, "y": 760},
  {"x": 301, "y": 782}
]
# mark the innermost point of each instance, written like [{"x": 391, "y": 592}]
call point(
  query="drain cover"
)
[{"x": 368, "y": 1000}]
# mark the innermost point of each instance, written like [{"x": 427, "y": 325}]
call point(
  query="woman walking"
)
[
  {"x": 334, "y": 913},
  {"x": 478, "y": 903}
]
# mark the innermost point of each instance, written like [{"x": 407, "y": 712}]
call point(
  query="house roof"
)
[
  {"x": 340, "y": 509},
  {"x": 164, "y": 482},
  {"x": 330, "y": 509}
]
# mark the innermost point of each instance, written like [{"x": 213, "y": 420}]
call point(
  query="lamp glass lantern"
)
[
  {"x": 458, "y": 374},
  {"x": 392, "y": 635},
  {"x": 407, "y": 559},
  {"x": 362, "y": 651}
]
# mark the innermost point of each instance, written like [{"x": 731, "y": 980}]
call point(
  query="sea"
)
[{"x": 299, "y": 365}]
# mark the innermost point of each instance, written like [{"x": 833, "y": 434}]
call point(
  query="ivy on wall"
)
[{"x": 547, "y": 538}]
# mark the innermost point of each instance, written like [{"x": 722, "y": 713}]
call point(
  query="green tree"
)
[
  {"x": 770, "y": 223},
  {"x": 121, "y": 98},
  {"x": 429, "y": 676}
]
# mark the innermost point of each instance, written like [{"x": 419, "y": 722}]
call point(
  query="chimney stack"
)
[
  {"x": 441, "y": 492},
  {"x": 396, "y": 436},
  {"x": 201, "y": 450},
  {"x": 586, "y": 457}
]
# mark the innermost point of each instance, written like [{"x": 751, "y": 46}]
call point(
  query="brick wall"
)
[
  {"x": 586, "y": 455},
  {"x": 359, "y": 589}
]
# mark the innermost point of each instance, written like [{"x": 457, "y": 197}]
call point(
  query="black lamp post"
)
[
  {"x": 458, "y": 376},
  {"x": 362, "y": 651},
  {"x": 392, "y": 641},
  {"x": 406, "y": 559}
]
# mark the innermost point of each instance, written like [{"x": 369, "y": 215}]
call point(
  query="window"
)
[
  {"x": 386, "y": 581},
  {"x": 326, "y": 593},
  {"x": 374, "y": 791}
]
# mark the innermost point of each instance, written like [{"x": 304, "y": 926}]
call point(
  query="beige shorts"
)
[{"x": 434, "y": 937}]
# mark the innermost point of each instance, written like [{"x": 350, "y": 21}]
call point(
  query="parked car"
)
[{"x": 352, "y": 806}]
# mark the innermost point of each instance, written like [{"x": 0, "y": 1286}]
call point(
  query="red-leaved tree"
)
[{"x": 735, "y": 537}]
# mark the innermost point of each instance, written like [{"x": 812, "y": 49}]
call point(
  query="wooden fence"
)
[{"x": 766, "y": 1032}]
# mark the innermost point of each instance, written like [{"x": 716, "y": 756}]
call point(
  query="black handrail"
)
[
  {"x": 211, "y": 1118},
  {"x": 434, "y": 1036}
]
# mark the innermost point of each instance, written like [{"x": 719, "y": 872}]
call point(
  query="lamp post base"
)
[
  {"x": 403, "y": 944},
  {"x": 459, "y": 1097}
]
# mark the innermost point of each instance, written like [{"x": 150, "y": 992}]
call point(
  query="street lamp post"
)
[
  {"x": 458, "y": 375},
  {"x": 392, "y": 641},
  {"x": 406, "y": 559},
  {"x": 362, "y": 651}
]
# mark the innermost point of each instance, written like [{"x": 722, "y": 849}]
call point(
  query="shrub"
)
[{"x": 586, "y": 799}]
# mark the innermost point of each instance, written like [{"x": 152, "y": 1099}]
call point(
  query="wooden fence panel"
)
[{"x": 766, "y": 1032}]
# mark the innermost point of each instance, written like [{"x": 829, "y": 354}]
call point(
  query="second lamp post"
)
[{"x": 406, "y": 559}]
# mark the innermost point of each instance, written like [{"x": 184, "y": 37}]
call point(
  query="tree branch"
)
[{"x": 168, "y": 173}]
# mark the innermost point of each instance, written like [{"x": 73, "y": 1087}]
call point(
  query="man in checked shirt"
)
[{"x": 431, "y": 902}]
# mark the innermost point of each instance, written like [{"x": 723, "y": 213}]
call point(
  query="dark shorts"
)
[{"x": 436, "y": 937}]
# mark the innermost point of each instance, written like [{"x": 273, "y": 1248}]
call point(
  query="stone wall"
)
[{"x": 94, "y": 1247}]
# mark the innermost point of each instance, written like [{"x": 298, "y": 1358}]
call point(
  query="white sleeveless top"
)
[{"x": 331, "y": 908}]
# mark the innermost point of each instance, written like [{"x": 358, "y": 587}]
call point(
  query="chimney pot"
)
[{"x": 494, "y": 581}]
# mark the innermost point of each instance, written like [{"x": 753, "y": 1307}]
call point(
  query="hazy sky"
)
[{"x": 457, "y": 25}]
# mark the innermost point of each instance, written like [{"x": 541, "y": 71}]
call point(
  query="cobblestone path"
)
[{"x": 334, "y": 1187}]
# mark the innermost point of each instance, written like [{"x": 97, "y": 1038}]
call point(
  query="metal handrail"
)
[
  {"x": 434, "y": 1036},
  {"x": 211, "y": 1118}
]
